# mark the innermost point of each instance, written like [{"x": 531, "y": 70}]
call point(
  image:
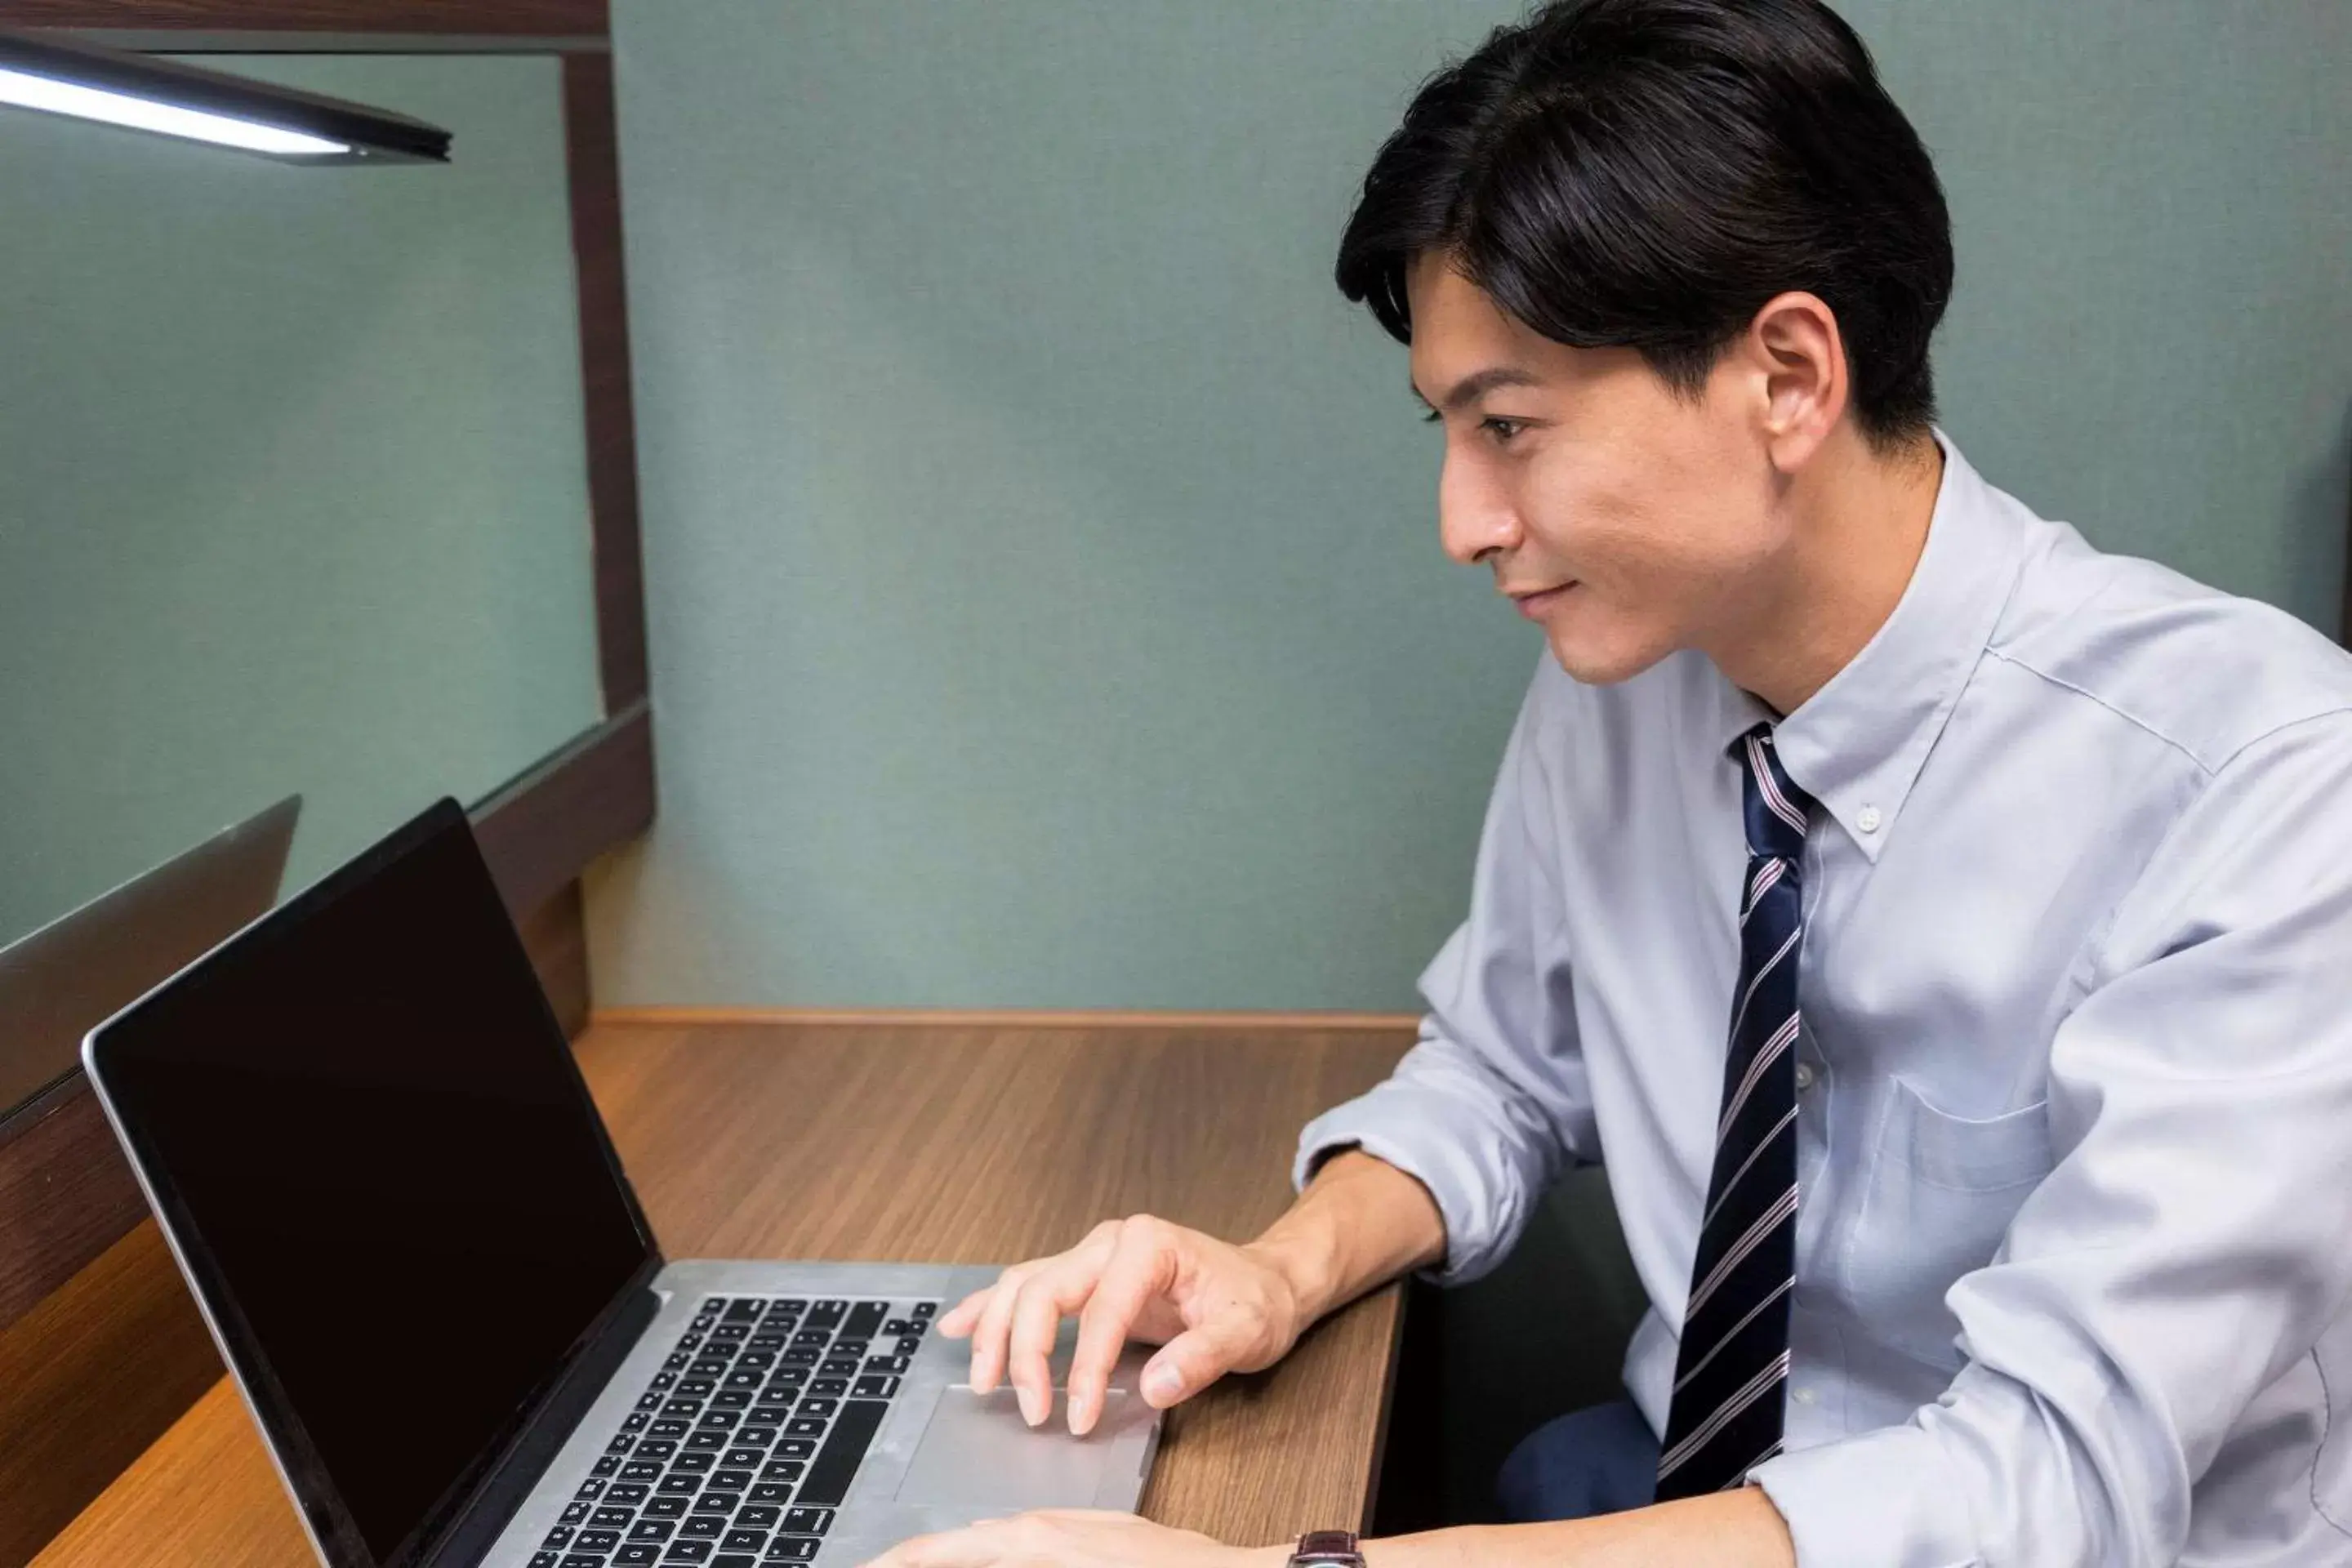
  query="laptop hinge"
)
[{"x": 470, "y": 1537}]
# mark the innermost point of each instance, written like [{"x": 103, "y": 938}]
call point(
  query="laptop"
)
[
  {"x": 365, "y": 1139},
  {"x": 59, "y": 980}
]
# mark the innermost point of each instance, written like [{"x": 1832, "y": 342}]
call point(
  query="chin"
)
[{"x": 1595, "y": 662}]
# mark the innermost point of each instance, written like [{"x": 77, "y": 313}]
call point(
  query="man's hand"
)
[
  {"x": 1074, "y": 1537},
  {"x": 1212, "y": 1307}
]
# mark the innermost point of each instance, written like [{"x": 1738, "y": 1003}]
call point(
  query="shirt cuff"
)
[
  {"x": 1880, "y": 1500},
  {"x": 1431, "y": 1155}
]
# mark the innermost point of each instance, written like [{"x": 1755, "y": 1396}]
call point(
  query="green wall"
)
[
  {"x": 292, "y": 481},
  {"x": 1045, "y": 592}
]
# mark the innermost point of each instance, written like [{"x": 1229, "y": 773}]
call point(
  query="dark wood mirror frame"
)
[{"x": 100, "y": 1348}]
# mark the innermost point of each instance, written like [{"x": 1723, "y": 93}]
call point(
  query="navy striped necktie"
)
[{"x": 1732, "y": 1371}]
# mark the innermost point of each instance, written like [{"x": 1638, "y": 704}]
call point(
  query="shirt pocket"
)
[{"x": 1940, "y": 1194}]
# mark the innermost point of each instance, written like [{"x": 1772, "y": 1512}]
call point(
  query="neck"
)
[{"x": 1859, "y": 522}]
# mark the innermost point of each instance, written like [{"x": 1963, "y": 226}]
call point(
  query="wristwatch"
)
[{"x": 1327, "y": 1548}]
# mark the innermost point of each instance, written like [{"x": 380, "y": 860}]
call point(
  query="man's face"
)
[{"x": 1657, "y": 510}]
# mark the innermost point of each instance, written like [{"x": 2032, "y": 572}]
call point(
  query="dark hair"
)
[{"x": 1649, "y": 173}]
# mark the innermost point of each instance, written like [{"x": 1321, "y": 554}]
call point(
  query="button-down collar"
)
[{"x": 1857, "y": 743}]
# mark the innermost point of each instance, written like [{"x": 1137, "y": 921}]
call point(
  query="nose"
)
[{"x": 1474, "y": 517}]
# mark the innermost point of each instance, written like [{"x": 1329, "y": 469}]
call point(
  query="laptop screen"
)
[{"x": 368, "y": 1137}]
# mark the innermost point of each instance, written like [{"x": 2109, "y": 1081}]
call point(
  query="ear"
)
[{"x": 1795, "y": 343}]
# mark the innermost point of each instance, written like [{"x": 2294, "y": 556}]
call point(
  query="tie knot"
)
[{"x": 1776, "y": 809}]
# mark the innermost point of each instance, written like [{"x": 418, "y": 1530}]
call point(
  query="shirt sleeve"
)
[
  {"x": 1490, "y": 1103},
  {"x": 2189, "y": 1244}
]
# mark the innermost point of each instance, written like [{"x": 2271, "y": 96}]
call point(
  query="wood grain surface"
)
[
  {"x": 88, "y": 1379},
  {"x": 935, "y": 1142}
]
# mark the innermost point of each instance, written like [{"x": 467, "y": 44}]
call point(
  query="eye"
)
[{"x": 1503, "y": 436}]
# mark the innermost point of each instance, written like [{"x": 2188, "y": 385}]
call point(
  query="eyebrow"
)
[{"x": 1473, "y": 387}]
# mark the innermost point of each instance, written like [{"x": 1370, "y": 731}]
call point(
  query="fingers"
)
[
  {"x": 996, "y": 1304},
  {"x": 1142, "y": 1259},
  {"x": 1185, "y": 1365},
  {"x": 1037, "y": 1321},
  {"x": 957, "y": 1320}
]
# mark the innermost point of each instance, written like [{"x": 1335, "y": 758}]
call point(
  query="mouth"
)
[{"x": 1535, "y": 604}]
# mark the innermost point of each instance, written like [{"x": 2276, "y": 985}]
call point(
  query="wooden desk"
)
[{"x": 930, "y": 1142}]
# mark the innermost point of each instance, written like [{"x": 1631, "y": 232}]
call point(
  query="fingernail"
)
[
  {"x": 1160, "y": 1382},
  {"x": 1029, "y": 1411},
  {"x": 1081, "y": 1411}
]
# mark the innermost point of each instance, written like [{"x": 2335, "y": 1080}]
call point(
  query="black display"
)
[{"x": 366, "y": 1132}]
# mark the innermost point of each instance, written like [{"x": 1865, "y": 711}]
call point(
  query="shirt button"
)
[
  {"x": 1804, "y": 1076},
  {"x": 1867, "y": 820}
]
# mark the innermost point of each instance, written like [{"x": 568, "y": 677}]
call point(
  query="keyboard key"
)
[
  {"x": 736, "y": 1559},
  {"x": 583, "y": 1560},
  {"x": 845, "y": 1446},
  {"x": 707, "y": 1366},
  {"x": 692, "y": 1464},
  {"x": 651, "y": 1530},
  {"x": 745, "y": 1539},
  {"x": 850, "y": 1346},
  {"x": 656, "y": 1447},
  {"x": 887, "y": 1363},
  {"x": 713, "y": 1305},
  {"x": 679, "y": 1486},
  {"x": 649, "y": 1401},
  {"x": 731, "y": 1330},
  {"x": 874, "y": 1385},
  {"x": 770, "y": 1492},
  {"x": 715, "y": 1418},
  {"x": 636, "y": 1552},
  {"x": 865, "y": 1318},
  {"x": 729, "y": 1481},
  {"x": 635, "y": 1421},
  {"x": 592, "y": 1488},
  {"x": 605, "y": 1466},
  {"x": 613, "y": 1518},
  {"x": 661, "y": 1380},
  {"x": 695, "y": 1387},
  {"x": 688, "y": 1408},
  {"x": 686, "y": 1552},
  {"x": 704, "y": 1527},
  {"x": 626, "y": 1491},
  {"x": 735, "y": 1399},
  {"x": 795, "y": 1449},
  {"x": 573, "y": 1513},
  {"x": 598, "y": 1540},
  {"x": 744, "y": 1458},
  {"x": 923, "y": 1309},
  {"x": 792, "y": 1549},
  {"x": 838, "y": 1365},
  {"x": 641, "y": 1470},
  {"x": 908, "y": 1344},
  {"x": 745, "y": 1308},
  {"x": 807, "y": 1520},
  {"x": 899, "y": 1326},
  {"x": 707, "y": 1441},
  {"x": 754, "y": 1516},
  {"x": 815, "y": 1408},
  {"x": 666, "y": 1507},
  {"x": 829, "y": 1387},
  {"x": 750, "y": 1382},
  {"x": 543, "y": 1560},
  {"x": 827, "y": 1314},
  {"x": 782, "y": 1470},
  {"x": 669, "y": 1426},
  {"x": 558, "y": 1539},
  {"x": 716, "y": 1502},
  {"x": 805, "y": 1426},
  {"x": 676, "y": 1361},
  {"x": 770, "y": 1342}
]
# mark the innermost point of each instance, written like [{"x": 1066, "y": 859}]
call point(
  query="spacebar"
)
[{"x": 854, "y": 1427}]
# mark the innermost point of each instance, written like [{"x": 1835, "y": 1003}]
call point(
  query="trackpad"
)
[{"x": 978, "y": 1453}]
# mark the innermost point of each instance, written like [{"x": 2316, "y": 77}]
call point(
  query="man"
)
[{"x": 1943, "y": 928}]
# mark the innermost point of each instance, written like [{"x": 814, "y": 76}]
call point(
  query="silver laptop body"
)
[{"x": 320, "y": 1187}]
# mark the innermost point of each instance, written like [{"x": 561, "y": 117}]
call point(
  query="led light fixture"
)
[{"x": 172, "y": 99}]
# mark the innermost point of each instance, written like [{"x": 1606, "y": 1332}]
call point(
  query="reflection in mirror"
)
[{"x": 293, "y": 491}]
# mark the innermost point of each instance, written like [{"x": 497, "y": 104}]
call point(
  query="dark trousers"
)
[{"x": 1599, "y": 1460}]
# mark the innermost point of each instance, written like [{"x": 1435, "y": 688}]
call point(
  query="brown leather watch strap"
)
[{"x": 1328, "y": 1546}]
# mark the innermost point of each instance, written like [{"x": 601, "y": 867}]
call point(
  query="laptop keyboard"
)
[{"x": 743, "y": 1442}]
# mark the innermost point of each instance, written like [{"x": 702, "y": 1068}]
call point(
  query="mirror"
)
[{"x": 293, "y": 479}]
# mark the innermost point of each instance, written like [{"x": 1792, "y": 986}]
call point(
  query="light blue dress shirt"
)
[{"x": 2074, "y": 1229}]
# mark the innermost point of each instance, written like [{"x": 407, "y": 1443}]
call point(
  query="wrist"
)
[{"x": 1303, "y": 1262}]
